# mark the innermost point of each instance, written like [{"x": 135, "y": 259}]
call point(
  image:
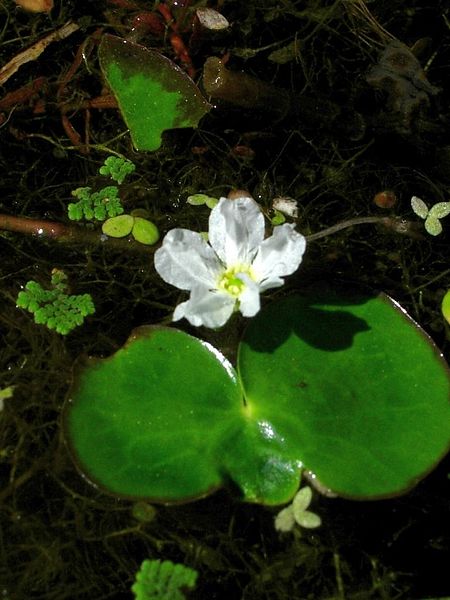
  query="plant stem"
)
[
  {"x": 397, "y": 224},
  {"x": 70, "y": 234},
  {"x": 82, "y": 235}
]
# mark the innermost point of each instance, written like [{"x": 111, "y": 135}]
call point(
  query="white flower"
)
[{"x": 229, "y": 271}]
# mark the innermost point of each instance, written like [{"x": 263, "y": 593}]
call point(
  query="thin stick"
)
[
  {"x": 350, "y": 223},
  {"x": 70, "y": 234},
  {"x": 34, "y": 51}
]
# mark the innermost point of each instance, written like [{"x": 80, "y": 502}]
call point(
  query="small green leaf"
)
[
  {"x": 118, "y": 227},
  {"x": 419, "y": 207},
  {"x": 197, "y": 199},
  {"x": 308, "y": 519},
  {"x": 200, "y": 199},
  {"x": 440, "y": 210},
  {"x": 432, "y": 225},
  {"x": 445, "y": 307},
  {"x": 211, "y": 202},
  {"x": 302, "y": 499},
  {"x": 144, "y": 231},
  {"x": 278, "y": 218},
  {"x": 153, "y": 93}
]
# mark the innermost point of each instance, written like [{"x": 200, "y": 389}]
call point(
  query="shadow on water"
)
[{"x": 312, "y": 318}]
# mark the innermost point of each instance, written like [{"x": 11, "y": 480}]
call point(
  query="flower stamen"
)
[{"x": 230, "y": 282}]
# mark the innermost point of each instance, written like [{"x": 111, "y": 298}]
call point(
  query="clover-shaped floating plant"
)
[
  {"x": 431, "y": 216},
  {"x": 297, "y": 514},
  {"x": 143, "y": 230},
  {"x": 349, "y": 388},
  {"x": 153, "y": 93}
]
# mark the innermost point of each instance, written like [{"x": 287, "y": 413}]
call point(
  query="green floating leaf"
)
[
  {"x": 358, "y": 391},
  {"x": 144, "y": 231},
  {"x": 351, "y": 390},
  {"x": 445, "y": 306},
  {"x": 440, "y": 210},
  {"x": 149, "y": 421},
  {"x": 153, "y": 93},
  {"x": 432, "y": 225},
  {"x": 118, "y": 227},
  {"x": 419, "y": 207},
  {"x": 200, "y": 199}
]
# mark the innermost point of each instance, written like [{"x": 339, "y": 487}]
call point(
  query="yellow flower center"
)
[{"x": 230, "y": 282}]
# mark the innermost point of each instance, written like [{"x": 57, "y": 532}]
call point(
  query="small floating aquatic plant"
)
[
  {"x": 163, "y": 580},
  {"x": 143, "y": 230},
  {"x": 54, "y": 307},
  {"x": 432, "y": 216},
  {"x": 104, "y": 203},
  {"x": 297, "y": 513}
]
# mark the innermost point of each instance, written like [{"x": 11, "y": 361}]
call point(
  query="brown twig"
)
[
  {"x": 70, "y": 234},
  {"x": 34, "y": 51},
  {"x": 74, "y": 234}
]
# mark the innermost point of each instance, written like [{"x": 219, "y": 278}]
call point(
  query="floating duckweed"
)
[
  {"x": 145, "y": 231},
  {"x": 119, "y": 226}
]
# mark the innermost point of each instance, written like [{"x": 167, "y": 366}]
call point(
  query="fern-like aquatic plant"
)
[
  {"x": 163, "y": 580},
  {"x": 95, "y": 205},
  {"x": 104, "y": 203},
  {"x": 54, "y": 307},
  {"x": 117, "y": 168}
]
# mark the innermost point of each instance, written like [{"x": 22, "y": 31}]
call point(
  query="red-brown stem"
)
[
  {"x": 36, "y": 227},
  {"x": 81, "y": 235},
  {"x": 70, "y": 234}
]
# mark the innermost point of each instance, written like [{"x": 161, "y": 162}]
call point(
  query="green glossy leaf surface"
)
[
  {"x": 153, "y": 93},
  {"x": 150, "y": 420},
  {"x": 357, "y": 391},
  {"x": 352, "y": 390}
]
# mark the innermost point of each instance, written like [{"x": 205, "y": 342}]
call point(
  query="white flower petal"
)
[
  {"x": 236, "y": 229},
  {"x": 186, "y": 260},
  {"x": 279, "y": 255},
  {"x": 206, "y": 307},
  {"x": 249, "y": 302}
]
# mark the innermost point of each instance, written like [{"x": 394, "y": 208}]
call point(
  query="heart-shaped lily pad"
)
[
  {"x": 358, "y": 391},
  {"x": 150, "y": 420},
  {"x": 153, "y": 93},
  {"x": 352, "y": 390}
]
